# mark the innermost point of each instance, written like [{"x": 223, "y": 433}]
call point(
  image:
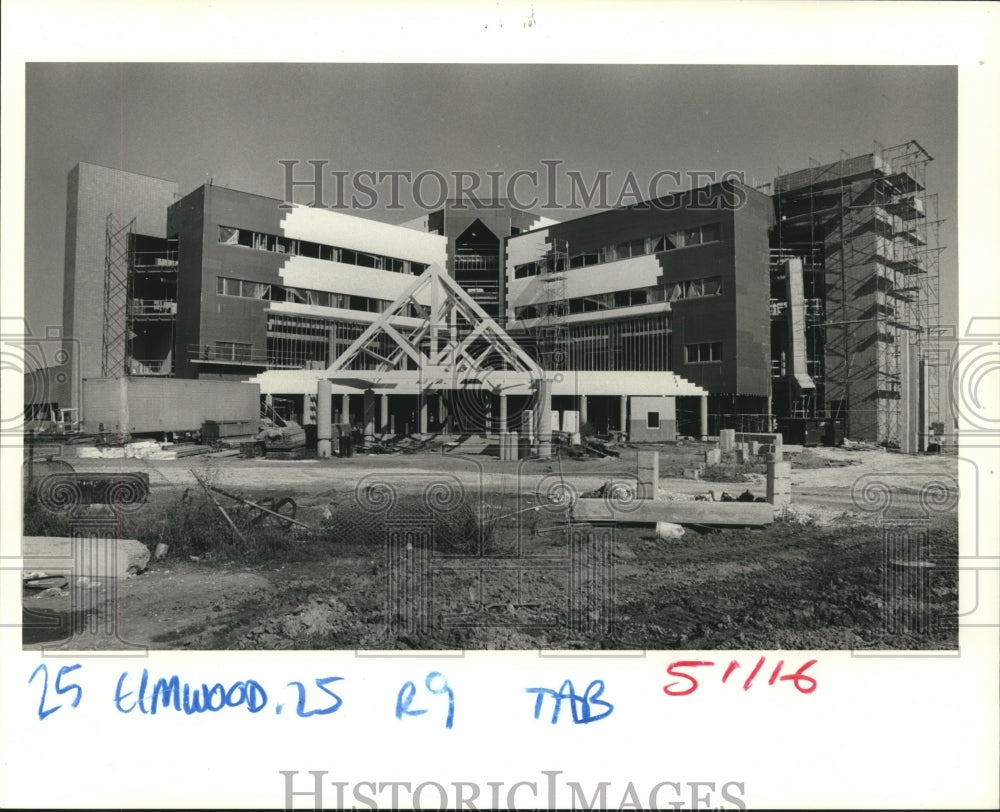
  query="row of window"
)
[
  {"x": 681, "y": 238},
  {"x": 260, "y": 241},
  {"x": 673, "y": 292},
  {"x": 245, "y": 289},
  {"x": 703, "y": 353}
]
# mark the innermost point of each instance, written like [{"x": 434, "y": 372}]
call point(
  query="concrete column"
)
[
  {"x": 704, "y": 417},
  {"x": 423, "y": 411},
  {"x": 623, "y": 419},
  {"x": 779, "y": 483},
  {"x": 649, "y": 475},
  {"x": 345, "y": 408},
  {"x": 384, "y": 414},
  {"x": 583, "y": 409},
  {"x": 544, "y": 419},
  {"x": 369, "y": 414},
  {"x": 488, "y": 421},
  {"x": 324, "y": 421},
  {"x": 923, "y": 401},
  {"x": 331, "y": 345},
  {"x": 503, "y": 413}
]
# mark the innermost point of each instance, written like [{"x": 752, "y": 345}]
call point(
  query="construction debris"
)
[{"x": 268, "y": 507}]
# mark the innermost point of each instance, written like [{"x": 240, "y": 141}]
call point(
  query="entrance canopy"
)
[{"x": 457, "y": 346}]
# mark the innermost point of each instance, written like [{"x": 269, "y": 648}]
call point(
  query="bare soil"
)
[{"x": 502, "y": 569}]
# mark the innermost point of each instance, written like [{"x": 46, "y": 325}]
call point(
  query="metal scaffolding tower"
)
[
  {"x": 117, "y": 296},
  {"x": 868, "y": 223},
  {"x": 552, "y": 331}
]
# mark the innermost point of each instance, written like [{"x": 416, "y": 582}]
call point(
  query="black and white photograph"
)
[
  {"x": 650, "y": 372},
  {"x": 515, "y": 357}
]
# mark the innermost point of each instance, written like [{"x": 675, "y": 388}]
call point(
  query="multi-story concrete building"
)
[
  {"x": 715, "y": 307},
  {"x": 678, "y": 284},
  {"x": 103, "y": 207}
]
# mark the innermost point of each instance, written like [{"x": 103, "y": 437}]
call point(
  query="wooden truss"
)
[{"x": 454, "y": 345}]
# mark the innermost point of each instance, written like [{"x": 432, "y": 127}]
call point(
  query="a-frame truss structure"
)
[{"x": 454, "y": 344}]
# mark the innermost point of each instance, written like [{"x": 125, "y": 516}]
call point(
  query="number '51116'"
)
[{"x": 804, "y": 683}]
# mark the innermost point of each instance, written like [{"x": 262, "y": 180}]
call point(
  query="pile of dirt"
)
[{"x": 313, "y": 624}]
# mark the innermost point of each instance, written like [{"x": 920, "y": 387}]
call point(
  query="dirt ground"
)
[{"x": 434, "y": 550}]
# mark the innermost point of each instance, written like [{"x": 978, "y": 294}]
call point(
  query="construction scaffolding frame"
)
[
  {"x": 867, "y": 222},
  {"x": 552, "y": 330},
  {"x": 117, "y": 295}
]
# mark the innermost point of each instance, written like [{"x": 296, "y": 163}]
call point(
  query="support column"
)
[
  {"x": 324, "y": 421},
  {"x": 704, "y": 417},
  {"x": 503, "y": 413},
  {"x": 422, "y": 397},
  {"x": 623, "y": 414},
  {"x": 544, "y": 419},
  {"x": 345, "y": 408},
  {"x": 923, "y": 401},
  {"x": 369, "y": 414},
  {"x": 384, "y": 414},
  {"x": 583, "y": 409}
]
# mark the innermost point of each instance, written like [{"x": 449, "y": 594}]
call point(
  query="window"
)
[
  {"x": 255, "y": 290},
  {"x": 232, "y": 351},
  {"x": 704, "y": 353},
  {"x": 710, "y": 233},
  {"x": 653, "y": 420},
  {"x": 229, "y": 236}
]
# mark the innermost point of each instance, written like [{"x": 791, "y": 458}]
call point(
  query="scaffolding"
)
[
  {"x": 553, "y": 307},
  {"x": 868, "y": 236},
  {"x": 117, "y": 296}
]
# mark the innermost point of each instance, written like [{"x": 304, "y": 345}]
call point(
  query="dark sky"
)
[{"x": 233, "y": 124}]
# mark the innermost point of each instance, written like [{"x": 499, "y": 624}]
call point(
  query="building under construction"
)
[
  {"x": 721, "y": 307},
  {"x": 855, "y": 295}
]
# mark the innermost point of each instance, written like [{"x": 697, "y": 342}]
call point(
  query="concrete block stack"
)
[
  {"x": 649, "y": 474},
  {"x": 779, "y": 483},
  {"x": 727, "y": 440}
]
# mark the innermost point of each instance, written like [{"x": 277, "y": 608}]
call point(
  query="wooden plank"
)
[{"x": 728, "y": 514}]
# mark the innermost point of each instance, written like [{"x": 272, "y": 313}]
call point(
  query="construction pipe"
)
[{"x": 324, "y": 418}]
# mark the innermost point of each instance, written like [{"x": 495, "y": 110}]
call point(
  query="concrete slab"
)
[
  {"x": 731, "y": 514},
  {"x": 89, "y": 558}
]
